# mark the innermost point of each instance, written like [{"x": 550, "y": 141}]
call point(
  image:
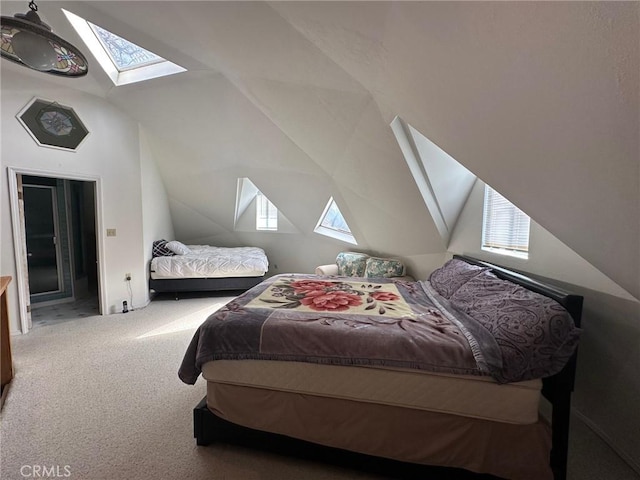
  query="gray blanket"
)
[{"x": 344, "y": 321}]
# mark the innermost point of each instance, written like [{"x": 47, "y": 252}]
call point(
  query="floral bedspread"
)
[
  {"x": 316, "y": 295},
  {"x": 342, "y": 321}
]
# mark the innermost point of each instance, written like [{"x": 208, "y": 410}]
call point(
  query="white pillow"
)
[{"x": 178, "y": 248}]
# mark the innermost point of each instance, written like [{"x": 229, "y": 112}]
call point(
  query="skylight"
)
[
  {"x": 332, "y": 224},
  {"x": 123, "y": 53},
  {"x": 123, "y": 61}
]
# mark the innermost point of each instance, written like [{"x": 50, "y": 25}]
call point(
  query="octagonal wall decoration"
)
[{"x": 53, "y": 125}]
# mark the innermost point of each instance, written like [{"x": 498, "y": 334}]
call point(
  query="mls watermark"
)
[{"x": 45, "y": 471}]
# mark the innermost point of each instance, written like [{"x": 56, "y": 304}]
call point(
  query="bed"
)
[
  {"x": 447, "y": 372},
  {"x": 176, "y": 267}
]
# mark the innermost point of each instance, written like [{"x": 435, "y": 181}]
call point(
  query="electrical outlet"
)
[{"x": 127, "y": 277}]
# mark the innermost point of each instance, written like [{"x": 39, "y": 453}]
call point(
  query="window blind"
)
[{"x": 505, "y": 226}]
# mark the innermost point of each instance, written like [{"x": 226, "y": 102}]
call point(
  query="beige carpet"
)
[
  {"x": 99, "y": 398},
  {"x": 101, "y": 395}
]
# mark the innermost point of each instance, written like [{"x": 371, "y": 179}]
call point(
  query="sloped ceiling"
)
[{"x": 538, "y": 99}]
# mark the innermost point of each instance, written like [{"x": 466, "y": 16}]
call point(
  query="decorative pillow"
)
[
  {"x": 160, "y": 249},
  {"x": 178, "y": 248},
  {"x": 447, "y": 279},
  {"x": 351, "y": 264},
  {"x": 383, "y": 267},
  {"x": 535, "y": 334}
]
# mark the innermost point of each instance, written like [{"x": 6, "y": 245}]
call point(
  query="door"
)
[{"x": 41, "y": 228}]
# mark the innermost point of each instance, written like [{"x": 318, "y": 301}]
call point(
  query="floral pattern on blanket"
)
[{"x": 310, "y": 295}]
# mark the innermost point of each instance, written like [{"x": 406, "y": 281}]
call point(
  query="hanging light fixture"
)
[{"x": 29, "y": 41}]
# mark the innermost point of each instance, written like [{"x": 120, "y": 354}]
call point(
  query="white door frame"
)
[{"x": 19, "y": 241}]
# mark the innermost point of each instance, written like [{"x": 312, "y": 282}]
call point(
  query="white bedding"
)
[{"x": 206, "y": 261}]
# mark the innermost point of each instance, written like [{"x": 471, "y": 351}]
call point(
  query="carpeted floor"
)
[{"x": 99, "y": 398}]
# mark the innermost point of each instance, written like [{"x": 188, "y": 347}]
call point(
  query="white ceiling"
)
[{"x": 538, "y": 99}]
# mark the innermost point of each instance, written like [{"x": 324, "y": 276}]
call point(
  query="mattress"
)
[
  {"x": 206, "y": 261},
  {"x": 468, "y": 396}
]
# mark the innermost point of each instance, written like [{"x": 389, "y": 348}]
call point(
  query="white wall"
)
[
  {"x": 607, "y": 384},
  {"x": 110, "y": 153},
  {"x": 233, "y": 138},
  {"x": 539, "y": 99},
  {"x": 156, "y": 219}
]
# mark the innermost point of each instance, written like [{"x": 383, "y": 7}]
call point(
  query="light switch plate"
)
[{"x": 111, "y": 232}]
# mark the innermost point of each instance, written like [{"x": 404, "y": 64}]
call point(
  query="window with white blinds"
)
[{"x": 505, "y": 228}]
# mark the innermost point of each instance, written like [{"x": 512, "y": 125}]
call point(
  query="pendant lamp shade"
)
[{"x": 29, "y": 41}]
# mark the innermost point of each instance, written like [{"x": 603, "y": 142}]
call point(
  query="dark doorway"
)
[
  {"x": 83, "y": 223},
  {"x": 60, "y": 228},
  {"x": 42, "y": 232}
]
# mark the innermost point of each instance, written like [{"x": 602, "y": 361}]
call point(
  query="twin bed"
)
[
  {"x": 446, "y": 372},
  {"x": 176, "y": 267}
]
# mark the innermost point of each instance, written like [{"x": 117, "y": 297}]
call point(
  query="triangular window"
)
[
  {"x": 332, "y": 224},
  {"x": 255, "y": 212},
  {"x": 123, "y": 61}
]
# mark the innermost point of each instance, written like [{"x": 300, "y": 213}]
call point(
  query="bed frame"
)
[
  {"x": 556, "y": 389},
  {"x": 175, "y": 285}
]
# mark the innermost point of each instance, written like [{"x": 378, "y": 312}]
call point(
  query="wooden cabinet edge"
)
[{"x": 6, "y": 361}]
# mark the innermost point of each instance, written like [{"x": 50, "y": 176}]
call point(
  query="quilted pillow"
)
[
  {"x": 535, "y": 334},
  {"x": 351, "y": 264},
  {"x": 178, "y": 248},
  {"x": 160, "y": 249},
  {"x": 447, "y": 279},
  {"x": 383, "y": 267}
]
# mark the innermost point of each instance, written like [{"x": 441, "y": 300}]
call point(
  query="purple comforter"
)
[{"x": 350, "y": 321}]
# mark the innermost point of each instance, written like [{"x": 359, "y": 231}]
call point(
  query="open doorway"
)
[
  {"x": 60, "y": 228},
  {"x": 56, "y": 248}
]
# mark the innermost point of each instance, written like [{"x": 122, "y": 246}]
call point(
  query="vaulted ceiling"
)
[{"x": 538, "y": 99}]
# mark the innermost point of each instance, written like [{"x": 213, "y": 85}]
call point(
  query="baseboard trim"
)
[{"x": 607, "y": 439}]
